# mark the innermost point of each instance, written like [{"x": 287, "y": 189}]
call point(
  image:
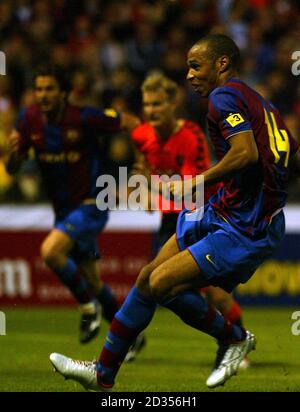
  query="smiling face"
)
[
  {"x": 159, "y": 110},
  {"x": 48, "y": 94},
  {"x": 204, "y": 73}
]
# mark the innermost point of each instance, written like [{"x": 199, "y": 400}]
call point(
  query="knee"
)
[{"x": 50, "y": 254}]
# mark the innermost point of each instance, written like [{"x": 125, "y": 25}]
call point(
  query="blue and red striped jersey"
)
[
  {"x": 250, "y": 198},
  {"x": 67, "y": 151}
]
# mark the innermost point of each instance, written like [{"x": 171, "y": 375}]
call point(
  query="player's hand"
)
[
  {"x": 14, "y": 140},
  {"x": 141, "y": 168}
]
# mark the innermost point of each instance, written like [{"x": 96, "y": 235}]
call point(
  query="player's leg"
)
[
  {"x": 169, "y": 279},
  {"x": 81, "y": 227},
  {"x": 229, "y": 308},
  {"x": 175, "y": 282},
  {"x": 225, "y": 303},
  {"x": 132, "y": 318},
  {"x": 166, "y": 231},
  {"x": 137, "y": 312},
  {"x": 134, "y": 315},
  {"x": 92, "y": 272},
  {"x": 139, "y": 307},
  {"x": 86, "y": 223},
  {"x": 55, "y": 251},
  {"x": 168, "y": 288}
]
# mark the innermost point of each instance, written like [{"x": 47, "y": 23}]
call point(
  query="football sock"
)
[
  {"x": 234, "y": 314},
  {"x": 108, "y": 302},
  {"x": 70, "y": 275},
  {"x": 134, "y": 316},
  {"x": 193, "y": 309}
]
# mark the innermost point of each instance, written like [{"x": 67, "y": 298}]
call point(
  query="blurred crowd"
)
[{"x": 109, "y": 46}]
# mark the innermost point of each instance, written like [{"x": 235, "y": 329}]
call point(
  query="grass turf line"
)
[{"x": 176, "y": 358}]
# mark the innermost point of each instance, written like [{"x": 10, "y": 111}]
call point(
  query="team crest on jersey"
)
[
  {"x": 234, "y": 119},
  {"x": 72, "y": 135},
  {"x": 110, "y": 113},
  {"x": 35, "y": 137}
]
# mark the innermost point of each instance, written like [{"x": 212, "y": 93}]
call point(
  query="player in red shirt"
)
[{"x": 170, "y": 145}]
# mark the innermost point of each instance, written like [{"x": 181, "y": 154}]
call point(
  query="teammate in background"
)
[
  {"x": 170, "y": 145},
  {"x": 64, "y": 139},
  {"x": 243, "y": 222}
]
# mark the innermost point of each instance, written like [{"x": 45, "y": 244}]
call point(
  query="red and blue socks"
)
[
  {"x": 137, "y": 312},
  {"x": 234, "y": 314},
  {"x": 133, "y": 317},
  {"x": 72, "y": 278},
  {"x": 193, "y": 309}
]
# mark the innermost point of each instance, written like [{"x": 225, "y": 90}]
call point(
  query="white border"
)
[{"x": 41, "y": 217}]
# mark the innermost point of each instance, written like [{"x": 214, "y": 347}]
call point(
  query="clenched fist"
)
[{"x": 14, "y": 140}]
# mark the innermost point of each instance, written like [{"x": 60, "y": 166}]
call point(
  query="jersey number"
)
[{"x": 279, "y": 140}]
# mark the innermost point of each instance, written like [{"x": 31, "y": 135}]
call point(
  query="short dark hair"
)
[
  {"x": 219, "y": 45},
  {"x": 57, "y": 72}
]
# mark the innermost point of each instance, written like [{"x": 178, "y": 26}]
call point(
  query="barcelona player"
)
[
  {"x": 169, "y": 145},
  {"x": 243, "y": 223},
  {"x": 64, "y": 139}
]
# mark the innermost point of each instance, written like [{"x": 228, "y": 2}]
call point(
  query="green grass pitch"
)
[{"x": 176, "y": 358}]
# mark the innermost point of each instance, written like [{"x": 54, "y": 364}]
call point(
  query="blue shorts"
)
[
  {"x": 83, "y": 225},
  {"x": 226, "y": 256}
]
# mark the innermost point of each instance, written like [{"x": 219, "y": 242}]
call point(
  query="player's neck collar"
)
[
  {"x": 232, "y": 79},
  {"x": 168, "y": 133},
  {"x": 56, "y": 116}
]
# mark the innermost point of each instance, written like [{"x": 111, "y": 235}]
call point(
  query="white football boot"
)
[
  {"x": 135, "y": 348},
  {"x": 228, "y": 360},
  {"x": 83, "y": 372},
  {"x": 90, "y": 323}
]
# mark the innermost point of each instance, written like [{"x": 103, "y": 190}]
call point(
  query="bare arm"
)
[
  {"x": 15, "y": 159},
  {"x": 242, "y": 153},
  {"x": 129, "y": 121}
]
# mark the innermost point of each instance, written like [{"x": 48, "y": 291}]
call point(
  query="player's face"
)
[
  {"x": 158, "y": 109},
  {"x": 48, "y": 94},
  {"x": 202, "y": 73}
]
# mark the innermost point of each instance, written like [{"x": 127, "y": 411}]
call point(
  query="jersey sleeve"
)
[
  {"x": 108, "y": 120},
  {"x": 22, "y": 127},
  {"x": 227, "y": 109}
]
